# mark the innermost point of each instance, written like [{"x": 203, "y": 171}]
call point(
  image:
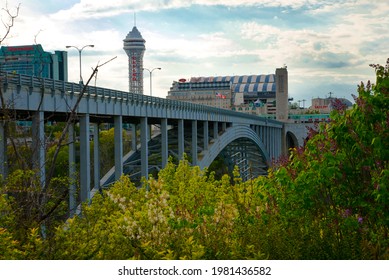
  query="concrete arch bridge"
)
[{"x": 202, "y": 132}]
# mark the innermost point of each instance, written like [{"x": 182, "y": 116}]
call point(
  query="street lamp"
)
[
  {"x": 79, "y": 53},
  {"x": 151, "y": 72}
]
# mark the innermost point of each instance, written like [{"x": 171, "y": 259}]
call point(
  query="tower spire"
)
[
  {"x": 135, "y": 19},
  {"x": 134, "y": 46}
]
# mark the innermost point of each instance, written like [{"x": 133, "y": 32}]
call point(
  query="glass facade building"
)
[{"x": 34, "y": 61}]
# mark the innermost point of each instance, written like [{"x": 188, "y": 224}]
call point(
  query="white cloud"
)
[
  {"x": 352, "y": 35},
  {"x": 101, "y": 8}
]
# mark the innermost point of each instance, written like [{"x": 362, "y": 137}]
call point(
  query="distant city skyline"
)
[{"x": 326, "y": 45}]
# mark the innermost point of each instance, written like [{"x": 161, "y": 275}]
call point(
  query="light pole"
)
[
  {"x": 79, "y": 53},
  {"x": 151, "y": 74}
]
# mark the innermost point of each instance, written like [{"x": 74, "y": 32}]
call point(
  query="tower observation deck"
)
[{"x": 134, "y": 46}]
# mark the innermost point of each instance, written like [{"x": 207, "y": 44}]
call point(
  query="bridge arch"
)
[
  {"x": 291, "y": 141},
  {"x": 229, "y": 136}
]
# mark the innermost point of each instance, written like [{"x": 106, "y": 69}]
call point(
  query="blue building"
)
[{"x": 33, "y": 60}]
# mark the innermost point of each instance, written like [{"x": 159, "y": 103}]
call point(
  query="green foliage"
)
[
  {"x": 8, "y": 244},
  {"x": 333, "y": 194},
  {"x": 61, "y": 167},
  {"x": 107, "y": 148}
]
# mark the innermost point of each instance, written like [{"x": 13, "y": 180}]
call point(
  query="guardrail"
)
[
  {"x": 309, "y": 118},
  {"x": 104, "y": 93}
]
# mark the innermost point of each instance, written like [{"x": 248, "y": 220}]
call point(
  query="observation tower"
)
[{"x": 134, "y": 46}]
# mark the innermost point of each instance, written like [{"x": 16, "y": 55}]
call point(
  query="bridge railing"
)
[
  {"x": 104, "y": 93},
  {"x": 309, "y": 118}
]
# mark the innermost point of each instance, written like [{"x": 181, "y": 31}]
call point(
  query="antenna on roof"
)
[{"x": 134, "y": 19}]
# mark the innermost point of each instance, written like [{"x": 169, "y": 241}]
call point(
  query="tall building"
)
[
  {"x": 265, "y": 95},
  {"x": 134, "y": 46},
  {"x": 34, "y": 61},
  {"x": 282, "y": 101}
]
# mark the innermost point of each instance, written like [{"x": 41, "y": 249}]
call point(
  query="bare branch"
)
[
  {"x": 9, "y": 23},
  {"x": 106, "y": 62},
  {"x": 36, "y": 36}
]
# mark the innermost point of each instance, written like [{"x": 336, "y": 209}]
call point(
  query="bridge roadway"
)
[{"x": 204, "y": 132}]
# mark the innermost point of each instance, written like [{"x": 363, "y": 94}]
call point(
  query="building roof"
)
[
  {"x": 245, "y": 84},
  {"x": 36, "y": 53},
  {"x": 270, "y": 78},
  {"x": 134, "y": 34},
  {"x": 254, "y": 87},
  {"x": 134, "y": 40}
]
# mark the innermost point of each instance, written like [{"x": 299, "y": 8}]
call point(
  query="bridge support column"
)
[
  {"x": 273, "y": 130},
  {"x": 206, "y": 135},
  {"x": 274, "y": 142},
  {"x": 85, "y": 179},
  {"x": 38, "y": 138},
  {"x": 270, "y": 130},
  {"x": 118, "y": 123},
  {"x": 133, "y": 137},
  {"x": 224, "y": 126},
  {"x": 3, "y": 151},
  {"x": 181, "y": 142},
  {"x": 72, "y": 172},
  {"x": 164, "y": 148},
  {"x": 267, "y": 137},
  {"x": 215, "y": 130},
  {"x": 257, "y": 130},
  {"x": 284, "y": 149},
  {"x": 271, "y": 142},
  {"x": 96, "y": 155},
  {"x": 144, "y": 131},
  {"x": 279, "y": 145},
  {"x": 194, "y": 142}
]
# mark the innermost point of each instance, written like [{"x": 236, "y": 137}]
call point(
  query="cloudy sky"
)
[{"x": 326, "y": 45}]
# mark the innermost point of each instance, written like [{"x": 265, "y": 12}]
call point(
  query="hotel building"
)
[
  {"x": 265, "y": 95},
  {"x": 34, "y": 61}
]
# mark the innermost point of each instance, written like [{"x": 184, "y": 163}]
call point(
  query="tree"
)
[
  {"x": 33, "y": 204},
  {"x": 334, "y": 192}
]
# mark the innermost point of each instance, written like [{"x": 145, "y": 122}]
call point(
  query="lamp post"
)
[
  {"x": 151, "y": 74},
  {"x": 79, "y": 53}
]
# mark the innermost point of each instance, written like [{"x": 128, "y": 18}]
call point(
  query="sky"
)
[{"x": 327, "y": 45}]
